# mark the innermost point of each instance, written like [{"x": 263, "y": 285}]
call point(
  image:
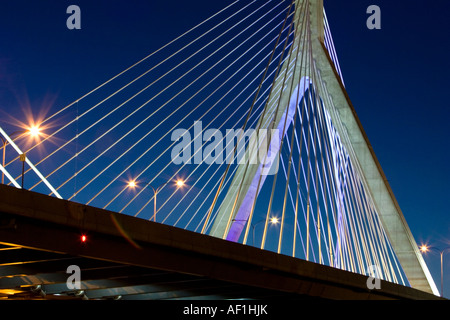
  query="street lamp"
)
[
  {"x": 33, "y": 131},
  {"x": 4, "y": 154},
  {"x": 273, "y": 220},
  {"x": 424, "y": 249},
  {"x": 179, "y": 183}
]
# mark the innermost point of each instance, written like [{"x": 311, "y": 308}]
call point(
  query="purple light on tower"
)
[{"x": 244, "y": 210}]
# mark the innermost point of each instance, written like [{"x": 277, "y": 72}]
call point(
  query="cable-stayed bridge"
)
[{"x": 249, "y": 111}]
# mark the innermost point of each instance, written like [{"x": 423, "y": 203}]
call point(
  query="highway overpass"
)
[{"x": 130, "y": 258}]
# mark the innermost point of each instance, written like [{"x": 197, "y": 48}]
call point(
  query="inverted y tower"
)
[{"x": 237, "y": 205}]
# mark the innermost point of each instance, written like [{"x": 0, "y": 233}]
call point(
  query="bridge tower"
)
[{"x": 236, "y": 208}]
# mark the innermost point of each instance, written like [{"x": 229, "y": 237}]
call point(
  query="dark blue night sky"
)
[{"x": 396, "y": 77}]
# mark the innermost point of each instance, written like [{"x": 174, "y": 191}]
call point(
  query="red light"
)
[{"x": 83, "y": 238}]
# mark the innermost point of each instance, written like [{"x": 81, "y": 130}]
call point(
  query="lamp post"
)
[
  {"x": 179, "y": 184},
  {"x": 33, "y": 131},
  {"x": 425, "y": 249},
  {"x": 273, "y": 220},
  {"x": 4, "y": 153},
  {"x": 253, "y": 230}
]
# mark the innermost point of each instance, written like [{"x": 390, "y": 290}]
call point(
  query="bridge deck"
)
[{"x": 137, "y": 259}]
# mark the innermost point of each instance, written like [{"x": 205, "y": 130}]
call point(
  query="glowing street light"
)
[
  {"x": 33, "y": 131},
  {"x": 424, "y": 249},
  {"x": 179, "y": 183},
  {"x": 273, "y": 221}
]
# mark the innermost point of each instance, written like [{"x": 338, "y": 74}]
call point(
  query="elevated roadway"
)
[{"x": 130, "y": 258}]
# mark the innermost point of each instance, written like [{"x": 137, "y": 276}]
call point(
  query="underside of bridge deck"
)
[{"x": 129, "y": 258}]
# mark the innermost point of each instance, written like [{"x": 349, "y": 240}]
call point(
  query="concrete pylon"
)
[
  {"x": 356, "y": 142},
  {"x": 388, "y": 209},
  {"x": 287, "y": 92}
]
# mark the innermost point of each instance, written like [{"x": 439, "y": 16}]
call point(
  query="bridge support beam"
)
[
  {"x": 357, "y": 145},
  {"x": 288, "y": 89},
  {"x": 43, "y": 223},
  {"x": 249, "y": 178},
  {"x": 360, "y": 150}
]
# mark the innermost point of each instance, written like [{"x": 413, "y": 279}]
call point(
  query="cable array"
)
[{"x": 170, "y": 117}]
